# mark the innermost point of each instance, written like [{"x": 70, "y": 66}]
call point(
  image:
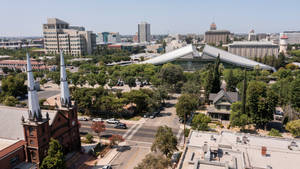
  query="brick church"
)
[{"x": 25, "y": 133}]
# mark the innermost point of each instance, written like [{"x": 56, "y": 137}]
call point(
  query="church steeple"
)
[
  {"x": 34, "y": 110},
  {"x": 64, "y": 88}
]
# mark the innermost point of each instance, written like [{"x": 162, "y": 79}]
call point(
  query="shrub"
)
[
  {"x": 275, "y": 133},
  {"x": 89, "y": 138},
  {"x": 294, "y": 127}
]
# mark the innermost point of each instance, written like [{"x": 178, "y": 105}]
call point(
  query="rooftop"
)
[
  {"x": 6, "y": 142},
  {"x": 10, "y": 121},
  {"x": 240, "y": 150},
  {"x": 252, "y": 43}
]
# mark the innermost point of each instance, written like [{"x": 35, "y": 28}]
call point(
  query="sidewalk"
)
[{"x": 108, "y": 158}]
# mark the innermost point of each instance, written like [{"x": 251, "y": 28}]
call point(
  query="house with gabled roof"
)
[{"x": 220, "y": 104}]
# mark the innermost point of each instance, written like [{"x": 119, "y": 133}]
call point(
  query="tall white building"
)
[
  {"x": 72, "y": 40},
  {"x": 144, "y": 34}
]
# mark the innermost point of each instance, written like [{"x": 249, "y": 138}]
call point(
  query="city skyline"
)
[{"x": 239, "y": 17}]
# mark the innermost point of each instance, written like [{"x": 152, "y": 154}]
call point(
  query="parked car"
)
[
  {"x": 120, "y": 126},
  {"x": 97, "y": 120},
  {"x": 175, "y": 157},
  {"x": 151, "y": 116},
  {"x": 112, "y": 121},
  {"x": 82, "y": 119},
  {"x": 107, "y": 167}
]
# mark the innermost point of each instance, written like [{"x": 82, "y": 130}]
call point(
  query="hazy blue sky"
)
[{"x": 25, "y": 17}]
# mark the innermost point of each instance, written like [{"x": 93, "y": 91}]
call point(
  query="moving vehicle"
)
[
  {"x": 97, "y": 120},
  {"x": 107, "y": 167},
  {"x": 82, "y": 119},
  {"x": 112, "y": 121},
  {"x": 120, "y": 126}
]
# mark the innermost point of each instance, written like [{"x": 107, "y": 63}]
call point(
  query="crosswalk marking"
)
[
  {"x": 128, "y": 131},
  {"x": 135, "y": 130}
]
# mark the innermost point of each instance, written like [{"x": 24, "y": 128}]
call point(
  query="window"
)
[
  {"x": 33, "y": 155},
  {"x": 30, "y": 131},
  {"x": 31, "y": 142},
  {"x": 14, "y": 160}
]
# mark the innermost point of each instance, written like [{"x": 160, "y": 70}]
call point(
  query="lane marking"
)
[{"x": 133, "y": 133}]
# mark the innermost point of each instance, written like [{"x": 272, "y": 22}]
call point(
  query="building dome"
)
[
  {"x": 213, "y": 26},
  {"x": 252, "y": 31}
]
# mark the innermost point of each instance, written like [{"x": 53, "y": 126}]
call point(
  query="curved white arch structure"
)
[
  {"x": 233, "y": 59},
  {"x": 170, "y": 56},
  {"x": 208, "y": 52}
]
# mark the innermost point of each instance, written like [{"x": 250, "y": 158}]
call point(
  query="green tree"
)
[
  {"x": 75, "y": 78},
  {"x": 43, "y": 81},
  {"x": 186, "y": 105},
  {"x": 261, "y": 103},
  {"x": 55, "y": 158},
  {"x": 130, "y": 81},
  {"x": 152, "y": 161},
  {"x": 101, "y": 79},
  {"x": 230, "y": 81},
  {"x": 216, "y": 83},
  {"x": 280, "y": 61},
  {"x": 13, "y": 86},
  {"x": 91, "y": 79},
  {"x": 208, "y": 76},
  {"x": 237, "y": 118},
  {"x": 10, "y": 101},
  {"x": 200, "y": 122},
  {"x": 244, "y": 93},
  {"x": 54, "y": 76},
  {"x": 293, "y": 127},
  {"x": 191, "y": 87},
  {"x": 165, "y": 141},
  {"x": 295, "y": 93},
  {"x": 171, "y": 74}
]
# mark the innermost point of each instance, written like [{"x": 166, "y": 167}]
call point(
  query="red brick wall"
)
[{"x": 12, "y": 152}]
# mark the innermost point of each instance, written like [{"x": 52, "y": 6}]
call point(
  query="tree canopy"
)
[
  {"x": 55, "y": 158},
  {"x": 165, "y": 141}
]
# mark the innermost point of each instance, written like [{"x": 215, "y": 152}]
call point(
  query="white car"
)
[
  {"x": 112, "y": 121},
  {"x": 97, "y": 120},
  {"x": 107, "y": 167},
  {"x": 82, "y": 119}
]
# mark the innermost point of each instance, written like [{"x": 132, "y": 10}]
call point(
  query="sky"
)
[{"x": 25, "y": 17}]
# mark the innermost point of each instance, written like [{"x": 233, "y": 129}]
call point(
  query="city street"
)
[{"x": 139, "y": 136}]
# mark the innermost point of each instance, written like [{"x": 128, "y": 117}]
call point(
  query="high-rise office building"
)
[
  {"x": 72, "y": 40},
  {"x": 144, "y": 34}
]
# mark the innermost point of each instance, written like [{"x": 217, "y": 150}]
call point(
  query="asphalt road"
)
[
  {"x": 44, "y": 94},
  {"x": 139, "y": 136}
]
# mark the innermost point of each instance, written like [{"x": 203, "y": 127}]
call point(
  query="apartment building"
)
[{"x": 72, "y": 40}]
